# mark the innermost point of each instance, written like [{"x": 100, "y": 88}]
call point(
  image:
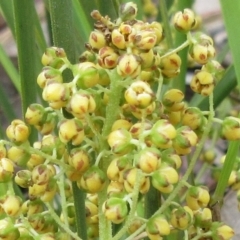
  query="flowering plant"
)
[{"x": 111, "y": 151}]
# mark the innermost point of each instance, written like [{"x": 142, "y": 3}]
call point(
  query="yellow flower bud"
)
[
  {"x": 197, "y": 197},
  {"x": 128, "y": 11},
  {"x": 157, "y": 227},
  {"x": 120, "y": 141},
  {"x": 221, "y": 231},
  {"x": 34, "y": 114},
  {"x": 6, "y": 169},
  {"x": 19, "y": 156},
  {"x": 193, "y": 117},
  {"x": 71, "y": 130},
  {"x": 93, "y": 180},
  {"x": 129, "y": 65},
  {"x": 107, "y": 57},
  {"x": 34, "y": 160},
  {"x": 118, "y": 39},
  {"x": 158, "y": 30},
  {"x": 88, "y": 74},
  {"x": 56, "y": 94},
  {"x": 170, "y": 65},
  {"x": 184, "y": 21},
  {"x": 139, "y": 94},
  {"x": 139, "y": 127},
  {"x": 50, "y": 192},
  {"x": 181, "y": 218},
  {"x": 162, "y": 134},
  {"x": 91, "y": 212},
  {"x": 173, "y": 100},
  {"x": 231, "y": 128},
  {"x": 18, "y": 131},
  {"x": 79, "y": 159},
  {"x": 36, "y": 190},
  {"x": 139, "y": 113},
  {"x": 145, "y": 40},
  {"x": 11, "y": 205},
  {"x": 121, "y": 123},
  {"x": 130, "y": 176},
  {"x": 41, "y": 174},
  {"x": 81, "y": 103},
  {"x": 116, "y": 168},
  {"x": 148, "y": 159},
  {"x": 147, "y": 59},
  {"x": 51, "y": 54},
  {"x": 115, "y": 187},
  {"x": 203, "y": 217},
  {"x": 97, "y": 39}
]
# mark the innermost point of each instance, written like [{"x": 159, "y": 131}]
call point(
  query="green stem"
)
[
  {"x": 166, "y": 23},
  {"x": 112, "y": 111},
  {"x": 59, "y": 222},
  {"x": 189, "y": 170},
  {"x": 132, "y": 212}
]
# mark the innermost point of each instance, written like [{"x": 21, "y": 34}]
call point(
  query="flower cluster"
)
[{"x": 111, "y": 133}]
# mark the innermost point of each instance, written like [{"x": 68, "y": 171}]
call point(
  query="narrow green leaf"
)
[
  {"x": 229, "y": 162},
  {"x": 230, "y": 12},
  {"x": 7, "y": 9},
  {"x": 9, "y": 68},
  {"x": 27, "y": 53},
  {"x": 6, "y": 106}
]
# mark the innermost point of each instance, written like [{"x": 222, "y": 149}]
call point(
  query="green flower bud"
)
[
  {"x": 19, "y": 156},
  {"x": 170, "y": 65},
  {"x": 162, "y": 134},
  {"x": 135, "y": 224},
  {"x": 129, "y": 65},
  {"x": 171, "y": 158},
  {"x": 139, "y": 94},
  {"x": 79, "y": 159},
  {"x": 130, "y": 176},
  {"x": 88, "y": 75},
  {"x": 34, "y": 160},
  {"x": 181, "y": 218},
  {"x": 203, "y": 217},
  {"x": 197, "y": 197},
  {"x": 209, "y": 155},
  {"x": 23, "y": 178},
  {"x": 52, "y": 54},
  {"x": 215, "y": 68},
  {"x": 184, "y": 21},
  {"x": 87, "y": 56},
  {"x": 139, "y": 113},
  {"x": 49, "y": 74},
  {"x": 139, "y": 127},
  {"x": 56, "y": 94},
  {"x": 128, "y": 11},
  {"x": 71, "y": 130},
  {"x": 81, "y": 103},
  {"x": 157, "y": 227},
  {"x": 3, "y": 151},
  {"x": 104, "y": 79},
  {"x": 121, "y": 123},
  {"x": 115, "y": 209},
  {"x": 7, "y": 230},
  {"x": 148, "y": 159},
  {"x": 173, "y": 100},
  {"x": 116, "y": 168},
  {"x": 120, "y": 141},
  {"x": 6, "y": 170},
  {"x": 11, "y": 205},
  {"x": 164, "y": 178},
  {"x": 107, "y": 57},
  {"x": 231, "y": 128},
  {"x": 36, "y": 221},
  {"x": 18, "y": 131},
  {"x": 92, "y": 180},
  {"x": 92, "y": 231},
  {"x": 34, "y": 114},
  {"x": 97, "y": 39},
  {"x": 184, "y": 140},
  {"x": 36, "y": 190}
]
